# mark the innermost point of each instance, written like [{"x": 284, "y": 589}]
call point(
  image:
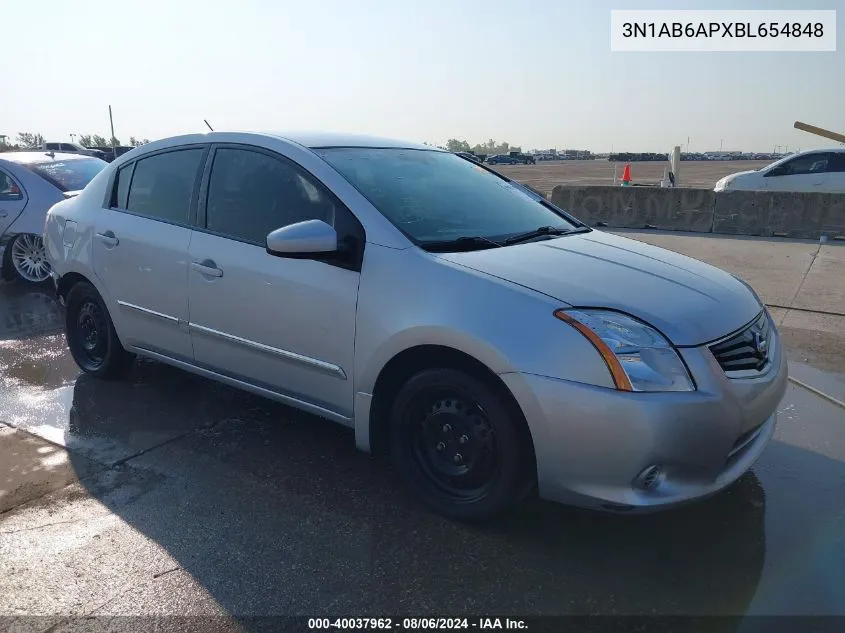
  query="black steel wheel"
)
[
  {"x": 459, "y": 445},
  {"x": 90, "y": 334}
]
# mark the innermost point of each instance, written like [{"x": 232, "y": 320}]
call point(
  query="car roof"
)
[
  {"x": 314, "y": 140},
  {"x": 816, "y": 151},
  {"x": 311, "y": 140},
  {"x": 39, "y": 156}
]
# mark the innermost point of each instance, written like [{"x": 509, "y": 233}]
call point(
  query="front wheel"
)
[
  {"x": 91, "y": 336},
  {"x": 28, "y": 258},
  {"x": 461, "y": 448}
]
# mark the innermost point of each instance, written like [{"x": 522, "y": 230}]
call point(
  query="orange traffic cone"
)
[{"x": 626, "y": 175}]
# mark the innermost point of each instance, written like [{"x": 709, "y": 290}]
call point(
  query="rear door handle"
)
[
  {"x": 108, "y": 238},
  {"x": 4, "y": 214},
  {"x": 207, "y": 267}
]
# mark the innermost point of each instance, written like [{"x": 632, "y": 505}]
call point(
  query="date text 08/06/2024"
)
[{"x": 417, "y": 624}]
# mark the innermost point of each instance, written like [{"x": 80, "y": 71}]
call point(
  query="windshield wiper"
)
[
  {"x": 541, "y": 231},
  {"x": 463, "y": 243}
]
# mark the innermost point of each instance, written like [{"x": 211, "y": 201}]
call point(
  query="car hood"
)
[
  {"x": 741, "y": 174},
  {"x": 689, "y": 301}
]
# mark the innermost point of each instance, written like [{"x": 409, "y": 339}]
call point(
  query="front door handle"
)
[
  {"x": 4, "y": 214},
  {"x": 108, "y": 238},
  {"x": 207, "y": 267}
]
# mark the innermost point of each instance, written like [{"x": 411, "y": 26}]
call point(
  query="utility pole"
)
[
  {"x": 720, "y": 145},
  {"x": 71, "y": 137},
  {"x": 688, "y": 145},
  {"x": 111, "y": 123}
]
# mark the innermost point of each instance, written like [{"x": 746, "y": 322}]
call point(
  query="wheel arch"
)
[
  {"x": 68, "y": 281},
  {"x": 412, "y": 360},
  {"x": 71, "y": 277}
]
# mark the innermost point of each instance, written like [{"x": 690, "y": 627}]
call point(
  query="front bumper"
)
[{"x": 591, "y": 443}]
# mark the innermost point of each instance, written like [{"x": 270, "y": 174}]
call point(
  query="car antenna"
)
[{"x": 208, "y": 124}]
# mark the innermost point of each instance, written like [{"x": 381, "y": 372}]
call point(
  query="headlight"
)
[{"x": 638, "y": 356}]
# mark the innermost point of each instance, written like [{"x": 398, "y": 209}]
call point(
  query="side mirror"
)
[{"x": 303, "y": 239}]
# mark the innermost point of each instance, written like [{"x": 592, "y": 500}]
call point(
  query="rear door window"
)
[
  {"x": 801, "y": 165},
  {"x": 163, "y": 185}
]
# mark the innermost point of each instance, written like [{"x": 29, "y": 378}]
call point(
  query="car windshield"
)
[
  {"x": 69, "y": 175},
  {"x": 434, "y": 196}
]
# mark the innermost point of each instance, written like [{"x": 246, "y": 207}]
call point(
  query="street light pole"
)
[{"x": 113, "y": 148}]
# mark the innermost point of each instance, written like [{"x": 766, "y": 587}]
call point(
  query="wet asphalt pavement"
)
[{"x": 194, "y": 498}]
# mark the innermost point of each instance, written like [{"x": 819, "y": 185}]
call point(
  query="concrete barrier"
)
[
  {"x": 765, "y": 213},
  {"x": 782, "y": 214},
  {"x": 639, "y": 207}
]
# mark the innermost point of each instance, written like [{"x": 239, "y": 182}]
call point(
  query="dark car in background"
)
[
  {"x": 470, "y": 156},
  {"x": 511, "y": 158},
  {"x": 502, "y": 159},
  {"x": 523, "y": 159},
  {"x": 108, "y": 154}
]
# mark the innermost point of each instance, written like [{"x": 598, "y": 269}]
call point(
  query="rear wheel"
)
[
  {"x": 459, "y": 446},
  {"x": 28, "y": 258},
  {"x": 91, "y": 336}
]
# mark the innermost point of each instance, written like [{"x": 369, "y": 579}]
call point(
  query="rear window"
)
[{"x": 68, "y": 175}]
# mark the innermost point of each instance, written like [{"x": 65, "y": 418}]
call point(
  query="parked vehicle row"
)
[
  {"x": 513, "y": 158},
  {"x": 430, "y": 304}
]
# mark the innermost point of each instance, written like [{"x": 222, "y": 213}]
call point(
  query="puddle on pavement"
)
[
  {"x": 28, "y": 310},
  {"x": 37, "y": 362},
  {"x": 43, "y": 391}
]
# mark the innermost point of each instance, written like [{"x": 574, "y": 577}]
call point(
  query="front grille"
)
[{"x": 747, "y": 352}]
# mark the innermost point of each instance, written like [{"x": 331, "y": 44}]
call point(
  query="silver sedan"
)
[
  {"x": 30, "y": 183},
  {"x": 488, "y": 341}
]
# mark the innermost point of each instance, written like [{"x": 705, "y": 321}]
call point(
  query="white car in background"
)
[
  {"x": 73, "y": 148},
  {"x": 30, "y": 183},
  {"x": 813, "y": 171}
]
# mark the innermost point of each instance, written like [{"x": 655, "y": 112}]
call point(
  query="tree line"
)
[
  {"x": 489, "y": 148},
  {"x": 34, "y": 140}
]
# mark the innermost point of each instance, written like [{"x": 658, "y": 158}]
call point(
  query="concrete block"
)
[
  {"x": 639, "y": 207},
  {"x": 780, "y": 214}
]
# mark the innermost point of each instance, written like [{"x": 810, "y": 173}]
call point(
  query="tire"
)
[
  {"x": 26, "y": 259},
  {"x": 460, "y": 446},
  {"x": 91, "y": 336}
]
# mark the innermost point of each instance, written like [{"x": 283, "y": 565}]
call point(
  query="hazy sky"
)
[{"x": 536, "y": 73}]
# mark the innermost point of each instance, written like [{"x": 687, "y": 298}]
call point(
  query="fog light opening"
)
[{"x": 650, "y": 478}]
